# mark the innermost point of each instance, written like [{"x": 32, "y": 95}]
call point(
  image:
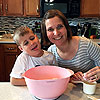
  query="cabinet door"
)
[
  {"x": 14, "y": 7},
  {"x": 1, "y": 7},
  {"x": 32, "y": 7},
  {"x": 11, "y": 51},
  {"x": 90, "y": 8},
  {"x": 2, "y": 67},
  {"x": 9, "y": 63},
  {"x": 8, "y": 54}
]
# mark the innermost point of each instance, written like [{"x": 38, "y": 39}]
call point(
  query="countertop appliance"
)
[{"x": 70, "y": 8}]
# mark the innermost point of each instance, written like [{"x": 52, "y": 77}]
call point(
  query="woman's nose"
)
[{"x": 55, "y": 32}]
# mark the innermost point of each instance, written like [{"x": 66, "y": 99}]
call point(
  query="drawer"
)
[{"x": 10, "y": 48}]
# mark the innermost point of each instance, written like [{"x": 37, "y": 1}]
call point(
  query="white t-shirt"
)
[{"x": 25, "y": 62}]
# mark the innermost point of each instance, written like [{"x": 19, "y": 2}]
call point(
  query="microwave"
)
[{"x": 70, "y": 8}]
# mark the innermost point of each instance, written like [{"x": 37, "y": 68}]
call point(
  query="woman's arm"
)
[
  {"x": 94, "y": 52},
  {"x": 17, "y": 81}
]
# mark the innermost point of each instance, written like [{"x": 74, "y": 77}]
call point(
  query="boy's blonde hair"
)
[{"x": 20, "y": 31}]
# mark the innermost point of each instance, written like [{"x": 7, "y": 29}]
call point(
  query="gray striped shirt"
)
[{"x": 87, "y": 56}]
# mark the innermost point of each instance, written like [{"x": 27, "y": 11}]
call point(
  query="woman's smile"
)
[{"x": 58, "y": 38}]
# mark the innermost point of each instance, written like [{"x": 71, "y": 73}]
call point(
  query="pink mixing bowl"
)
[{"x": 47, "y": 82}]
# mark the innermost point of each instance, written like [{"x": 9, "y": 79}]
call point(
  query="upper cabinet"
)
[
  {"x": 20, "y": 8},
  {"x": 90, "y": 8},
  {"x": 1, "y": 7},
  {"x": 32, "y": 7},
  {"x": 13, "y": 7}
]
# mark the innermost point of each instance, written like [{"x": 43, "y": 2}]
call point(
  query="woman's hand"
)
[
  {"x": 77, "y": 77},
  {"x": 93, "y": 74}
]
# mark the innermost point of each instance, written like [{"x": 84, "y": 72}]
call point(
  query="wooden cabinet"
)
[
  {"x": 32, "y": 7},
  {"x": 14, "y": 7},
  {"x": 1, "y": 7},
  {"x": 90, "y": 8},
  {"x": 8, "y": 55},
  {"x": 20, "y": 8},
  {"x": 2, "y": 71},
  {"x": 11, "y": 7}
]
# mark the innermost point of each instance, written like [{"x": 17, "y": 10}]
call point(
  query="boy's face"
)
[{"x": 30, "y": 44}]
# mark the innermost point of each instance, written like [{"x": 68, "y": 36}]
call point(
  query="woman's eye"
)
[
  {"x": 59, "y": 27},
  {"x": 50, "y": 29}
]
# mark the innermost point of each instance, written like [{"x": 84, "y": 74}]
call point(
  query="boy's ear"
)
[{"x": 20, "y": 48}]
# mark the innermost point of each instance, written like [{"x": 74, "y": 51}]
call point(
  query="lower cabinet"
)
[{"x": 8, "y": 55}]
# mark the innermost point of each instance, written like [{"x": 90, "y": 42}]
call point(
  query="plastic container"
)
[
  {"x": 47, "y": 82},
  {"x": 89, "y": 88}
]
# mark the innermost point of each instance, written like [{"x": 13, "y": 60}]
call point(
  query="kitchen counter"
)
[
  {"x": 7, "y": 40},
  {"x": 96, "y": 41},
  {"x": 73, "y": 92},
  {"x": 3, "y": 40}
]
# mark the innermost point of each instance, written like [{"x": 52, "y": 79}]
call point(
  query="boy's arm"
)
[{"x": 17, "y": 81}]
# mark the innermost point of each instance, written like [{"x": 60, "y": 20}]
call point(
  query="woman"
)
[{"x": 77, "y": 53}]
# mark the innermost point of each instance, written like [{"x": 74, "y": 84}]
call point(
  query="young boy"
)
[{"x": 32, "y": 55}]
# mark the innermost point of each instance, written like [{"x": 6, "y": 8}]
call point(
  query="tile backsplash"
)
[{"x": 9, "y": 24}]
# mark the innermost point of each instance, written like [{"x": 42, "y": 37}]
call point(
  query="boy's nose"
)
[{"x": 31, "y": 42}]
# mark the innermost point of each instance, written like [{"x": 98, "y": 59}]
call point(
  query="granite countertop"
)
[
  {"x": 73, "y": 92},
  {"x": 7, "y": 40},
  {"x": 96, "y": 40},
  {"x": 3, "y": 40}
]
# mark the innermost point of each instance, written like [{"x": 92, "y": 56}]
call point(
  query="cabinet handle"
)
[
  {"x": 6, "y": 8},
  {"x": 1, "y": 8},
  {"x": 37, "y": 9},
  {"x": 11, "y": 48}
]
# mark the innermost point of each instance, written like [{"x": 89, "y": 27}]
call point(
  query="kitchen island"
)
[{"x": 73, "y": 92}]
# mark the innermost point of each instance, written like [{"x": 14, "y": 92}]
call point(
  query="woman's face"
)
[
  {"x": 56, "y": 31},
  {"x": 30, "y": 44}
]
